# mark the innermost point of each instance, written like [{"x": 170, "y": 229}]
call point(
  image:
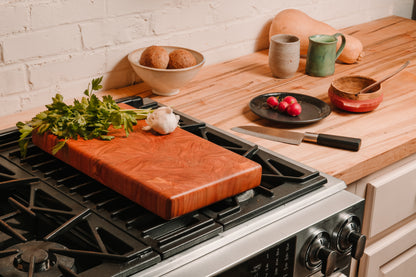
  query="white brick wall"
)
[
  {"x": 14, "y": 18},
  {"x": 13, "y": 79},
  {"x": 50, "y": 46},
  {"x": 52, "y": 13},
  {"x": 43, "y": 43}
]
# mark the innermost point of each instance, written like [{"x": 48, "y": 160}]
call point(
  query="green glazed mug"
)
[{"x": 322, "y": 54}]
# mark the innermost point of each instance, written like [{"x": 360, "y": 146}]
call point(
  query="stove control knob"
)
[
  {"x": 350, "y": 238},
  {"x": 318, "y": 254}
]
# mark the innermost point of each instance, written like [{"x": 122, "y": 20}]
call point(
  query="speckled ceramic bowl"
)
[
  {"x": 165, "y": 81},
  {"x": 343, "y": 94}
]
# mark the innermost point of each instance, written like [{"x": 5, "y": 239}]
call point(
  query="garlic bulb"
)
[{"x": 162, "y": 120}]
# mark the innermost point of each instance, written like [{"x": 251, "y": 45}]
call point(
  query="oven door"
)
[{"x": 306, "y": 243}]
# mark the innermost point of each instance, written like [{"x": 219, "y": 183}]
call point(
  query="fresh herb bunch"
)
[{"x": 89, "y": 118}]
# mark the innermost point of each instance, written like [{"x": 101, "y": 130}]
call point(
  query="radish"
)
[
  {"x": 294, "y": 109},
  {"x": 282, "y": 106},
  {"x": 272, "y": 102},
  {"x": 290, "y": 99}
]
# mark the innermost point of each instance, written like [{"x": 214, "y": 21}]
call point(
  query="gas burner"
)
[{"x": 28, "y": 258}]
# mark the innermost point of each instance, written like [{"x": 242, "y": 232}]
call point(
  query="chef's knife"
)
[{"x": 297, "y": 137}]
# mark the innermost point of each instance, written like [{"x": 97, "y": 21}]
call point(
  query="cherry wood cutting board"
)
[{"x": 170, "y": 175}]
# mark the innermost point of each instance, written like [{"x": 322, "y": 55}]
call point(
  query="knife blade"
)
[{"x": 291, "y": 137}]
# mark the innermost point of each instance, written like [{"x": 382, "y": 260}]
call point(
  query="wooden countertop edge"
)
[{"x": 373, "y": 164}]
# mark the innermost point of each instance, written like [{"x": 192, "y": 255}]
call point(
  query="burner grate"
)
[
  {"x": 119, "y": 210},
  {"x": 37, "y": 214},
  {"x": 45, "y": 200},
  {"x": 282, "y": 180}
]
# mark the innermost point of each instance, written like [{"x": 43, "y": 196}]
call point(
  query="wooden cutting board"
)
[{"x": 170, "y": 175}]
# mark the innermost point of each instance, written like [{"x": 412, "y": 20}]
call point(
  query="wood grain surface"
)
[
  {"x": 220, "y": 93},
  {"x": 170, "y": 175}
]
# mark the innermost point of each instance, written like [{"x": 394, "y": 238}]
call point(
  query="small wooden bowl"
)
[{"x": 343, "y": 94}]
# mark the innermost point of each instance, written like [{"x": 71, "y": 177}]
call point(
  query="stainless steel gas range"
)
[{"x": 56, "y": 221}]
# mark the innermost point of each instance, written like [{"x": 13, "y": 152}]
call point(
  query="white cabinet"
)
[
  {"x": 389, "y": 220},
  {"x": 403, "y": 265},
  {"x": 390, "y": 197},
  {"x": 393, "y": 255}
]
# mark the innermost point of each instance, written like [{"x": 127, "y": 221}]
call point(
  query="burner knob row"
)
[{"x": 346, "y": 240}]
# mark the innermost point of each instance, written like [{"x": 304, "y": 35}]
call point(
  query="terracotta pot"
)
[{"x": 343, "y": 94}]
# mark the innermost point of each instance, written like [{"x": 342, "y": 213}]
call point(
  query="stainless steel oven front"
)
[{"x": 317, "y": 240}]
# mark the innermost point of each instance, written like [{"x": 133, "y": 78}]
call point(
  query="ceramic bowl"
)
[
  {"x": 343, "y": 94},
  {"x": 165, "y": 82}
]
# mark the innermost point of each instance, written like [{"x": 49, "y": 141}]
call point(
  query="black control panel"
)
[{"x": 277, "y": 261}]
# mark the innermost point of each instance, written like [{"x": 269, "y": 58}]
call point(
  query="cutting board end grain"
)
[{"x": 170, "y": 175}]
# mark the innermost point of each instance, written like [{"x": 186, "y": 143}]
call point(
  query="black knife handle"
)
[
  {"x": 333, "y": 141},
  {"x": 347, "y": 143}
]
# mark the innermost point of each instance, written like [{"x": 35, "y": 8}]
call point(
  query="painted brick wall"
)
[{"x": 50, "y": 46}]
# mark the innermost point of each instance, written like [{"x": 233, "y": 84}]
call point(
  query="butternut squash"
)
[{"x": 295, "y": 22}]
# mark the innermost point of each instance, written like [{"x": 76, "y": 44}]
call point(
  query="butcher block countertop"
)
[{"x": 220, "y": 94}]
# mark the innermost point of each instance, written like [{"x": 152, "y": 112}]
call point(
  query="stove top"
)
[{"x": 56, "y": 221}]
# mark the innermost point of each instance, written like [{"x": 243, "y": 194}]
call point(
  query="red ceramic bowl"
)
[{"x": 342, "y": 93}]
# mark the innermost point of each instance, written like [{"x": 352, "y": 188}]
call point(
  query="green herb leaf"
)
[
  {"x": 96, "y": 83},
  {"x": 23, "y": 143},
  {"x": 58, "y": 146},
  {"x": 89, "y": 118}
]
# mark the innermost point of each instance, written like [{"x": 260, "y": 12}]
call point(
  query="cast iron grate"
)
[
  {"x": 172, "y": 236},
  {"x": 45, "y": 233},
  {"x": 282, "y": 181}
]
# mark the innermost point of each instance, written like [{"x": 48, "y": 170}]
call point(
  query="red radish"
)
[
  {"x": 282, "y": 106},
  {"x": 290, "y": 99},
  {"x": 294, "y": 109},
  {"x": 272, "y": 102}
]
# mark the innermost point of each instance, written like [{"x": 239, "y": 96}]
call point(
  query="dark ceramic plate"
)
[{"x": 313, "y": 109}]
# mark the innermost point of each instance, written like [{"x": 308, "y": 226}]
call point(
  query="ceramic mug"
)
[
  {"x": 284, "y": 52},
  {"x": 322, "y": 54}
]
